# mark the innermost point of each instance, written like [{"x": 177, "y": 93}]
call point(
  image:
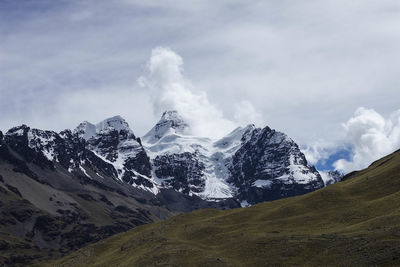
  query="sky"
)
[{"x": 324, "y": 72}]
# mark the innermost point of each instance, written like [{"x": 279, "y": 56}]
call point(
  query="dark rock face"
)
[
  {"x": 69, "y": 149},
  {"x": 19, "y": 165},
  {"x": 17, "y": 139},
  {"x": 131, "y": 178},
  {"x": 182, "y": 172},
  {"x": 98, "y": 165},
  {"x": 72, "y": 152},
  {"x": 140, "y": 163},
  {"x": 107, "y": 144},
  {"x": 44, "y": 148},
  {"x": 123, "y": 149},
  {"x": 270, "y": 166}
]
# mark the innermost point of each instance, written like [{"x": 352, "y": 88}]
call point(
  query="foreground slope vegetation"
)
[{"x": 354, "y": 222}]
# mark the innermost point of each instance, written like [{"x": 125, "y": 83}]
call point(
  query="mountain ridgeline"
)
[
  {"x": 250, "y": 165},
  {"x": 62, "y": 190}
]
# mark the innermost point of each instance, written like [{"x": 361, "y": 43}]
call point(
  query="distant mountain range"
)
[{"x": 62, "y": 190}]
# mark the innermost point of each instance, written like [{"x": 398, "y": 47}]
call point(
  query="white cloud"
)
[
  {"x": 169, "y": 89},
  {"x": 245, "y": 113},
  {"x": 372, "y": 137},
  {"x": 319, "y": 150}
]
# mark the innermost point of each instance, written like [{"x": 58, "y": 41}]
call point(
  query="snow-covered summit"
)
[
  {"x": 117, "y": 123},
  {"x": 171, "y": 123},
  {"x": 87, "y": 130},
  {"x": 248, "y": 158},
  {"x": 189, "y": 163},
  {"x": 231, "y": 143}
]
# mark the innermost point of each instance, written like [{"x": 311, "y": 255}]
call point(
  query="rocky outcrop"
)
[
  {"x": 182, "y": 172},
  {"x": 270, "y": 166},
  {"x": 113, "y": 141}
]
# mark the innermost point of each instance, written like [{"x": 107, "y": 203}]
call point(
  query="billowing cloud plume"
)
[
  {"x": 372, "y": 136},
  {"x": 169, "y": 89}
]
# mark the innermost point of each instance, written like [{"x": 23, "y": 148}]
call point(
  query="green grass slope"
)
[{"x": 352, "y": 223}]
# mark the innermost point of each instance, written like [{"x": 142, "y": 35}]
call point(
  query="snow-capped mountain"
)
[
  {"x": 44, "y": 148},
  {"x": 171, "y": 123},
  {"x": 187, "y": 163},
  {"x": 269, "y": 166},
  {"x": 248, "y": 165},
  {"x": 115, "y": 143}
]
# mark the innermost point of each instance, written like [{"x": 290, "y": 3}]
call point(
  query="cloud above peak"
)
[
  {"x": 164, "y": 69},
  {"x": 170, "y": 90}
]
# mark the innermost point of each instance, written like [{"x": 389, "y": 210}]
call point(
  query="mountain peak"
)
[
  {"x": 87, "y": 130},
  {"x": 117, "y": 123},
  {"x": 171, "y": 122},
  {"x": 174, "y": 119},
  {"x": 231, "y": 142},
  {"x": 18, "y": 130}
]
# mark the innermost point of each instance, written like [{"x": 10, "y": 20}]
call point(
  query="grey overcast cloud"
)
[{"x": 324, "y": 72}]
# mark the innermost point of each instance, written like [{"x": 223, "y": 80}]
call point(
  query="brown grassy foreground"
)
[{"x": 352, "y": 223}]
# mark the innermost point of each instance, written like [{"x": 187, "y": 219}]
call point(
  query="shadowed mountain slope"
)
[{"x": 352, "y": 223}]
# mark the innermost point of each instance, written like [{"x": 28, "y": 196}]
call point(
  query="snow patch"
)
[
  {"x": 244, "y": 204},
  {"x": 263, "y": 183},
  {"x": 297, "y": 173},
  {"x": 84, "y": 171}
]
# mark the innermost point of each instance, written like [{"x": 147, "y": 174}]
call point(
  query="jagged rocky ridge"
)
[
  {"x": 249, "y": 165},
  {"x": 115, "y": 143},
  {"x": 269, "y": 166}
]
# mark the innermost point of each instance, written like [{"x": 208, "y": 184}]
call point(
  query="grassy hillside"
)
[{"x": 355, "y": 222}]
